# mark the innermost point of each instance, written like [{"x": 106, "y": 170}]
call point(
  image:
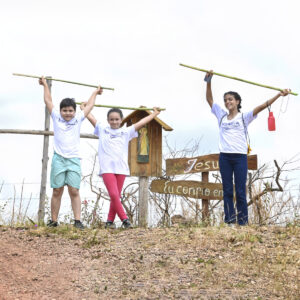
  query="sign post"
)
[{"x": 204, "y": 189}]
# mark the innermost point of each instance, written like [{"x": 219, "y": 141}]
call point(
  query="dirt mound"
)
[{"x": 172, "y": 263}]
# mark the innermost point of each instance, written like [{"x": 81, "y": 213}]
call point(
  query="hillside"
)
[{"x": 160, "y": 263}]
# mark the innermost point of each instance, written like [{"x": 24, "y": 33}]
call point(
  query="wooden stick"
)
[
  {"x": 122, "y": 107},
  {"x": 66, "y": 81},
  {"x": 239, "y": 79}
]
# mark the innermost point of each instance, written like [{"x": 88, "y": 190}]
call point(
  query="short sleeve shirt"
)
[
  {"x": 113, "y": 148},
  {"x": 67, "y": 134},
  {"x": 233, "y": 132}
]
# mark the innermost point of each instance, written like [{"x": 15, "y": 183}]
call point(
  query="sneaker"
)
[
  {"x": 110, "y": 225},
  {"x": 126, "y": 224},
  {"x": 52, "y": 223},
  {"x": 78, "y": 224}
]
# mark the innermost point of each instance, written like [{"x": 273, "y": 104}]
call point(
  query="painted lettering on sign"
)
[
  {"x": 201, "y": 166},
  {"x": 192, "y": 189}
]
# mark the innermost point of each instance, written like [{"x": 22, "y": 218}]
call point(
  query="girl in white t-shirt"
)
[
  {"x": 233, "y": 149},
  {"x": 113, "y": 157}
]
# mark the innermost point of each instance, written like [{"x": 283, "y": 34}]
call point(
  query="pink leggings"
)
[{"x": 114, "y": 184}]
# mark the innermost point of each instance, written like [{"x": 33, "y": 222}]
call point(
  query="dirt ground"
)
[{"x": 172, "y": 263}]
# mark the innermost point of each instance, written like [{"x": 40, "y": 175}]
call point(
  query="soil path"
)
[{"x": 39, "y": 268}]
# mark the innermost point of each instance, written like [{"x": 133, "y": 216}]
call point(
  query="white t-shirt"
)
[
  {"x": 113, "y": 148},
  {"x": 232, "y": 132},
  {"x": 67, "y": 134}
]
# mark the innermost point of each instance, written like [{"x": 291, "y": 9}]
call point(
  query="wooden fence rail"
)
[{"x": 42, "y": 132}]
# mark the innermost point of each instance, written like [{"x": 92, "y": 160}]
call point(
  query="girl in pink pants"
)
[
  {"x": 113, "y": 157},
  {"x": 114, "y": 184}
]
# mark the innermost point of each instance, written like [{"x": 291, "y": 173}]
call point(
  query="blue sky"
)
[{"x": 136, "y": 47}]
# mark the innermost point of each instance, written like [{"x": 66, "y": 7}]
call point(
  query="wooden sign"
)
[
  {"x": 203, "y": 163},
  {"x": 191, "y": 189}
]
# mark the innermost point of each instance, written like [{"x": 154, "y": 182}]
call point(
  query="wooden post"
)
[
  {"x": 41, "y": 212},
  {"x": 205, "y": 212},
  {"x": 43, "y": 132},
  {"x": 143, "y": 201}
]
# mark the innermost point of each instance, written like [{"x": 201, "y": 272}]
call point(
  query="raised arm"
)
[
  {"x": 147, "y": 119},
  {"x": 47, "y": 94},
  {"x": 209, "y": 96},
  {"x": 263, "y": 106},
  {"x": 91, "y": 102},
  {"x": 90, "y": 117}
]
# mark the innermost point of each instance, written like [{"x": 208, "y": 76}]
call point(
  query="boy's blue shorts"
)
[{"x": 65, "y": 171}]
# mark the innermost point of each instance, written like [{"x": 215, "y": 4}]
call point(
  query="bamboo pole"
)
[
  {"x": 122, "y": 107},
  {"x": 239, "y": 79},
  {"x": 66, "y": 81}
]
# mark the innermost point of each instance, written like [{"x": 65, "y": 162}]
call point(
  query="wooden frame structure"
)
[
  {"x": 153, "y": 167},
  {"x": 150, "y": 167}
]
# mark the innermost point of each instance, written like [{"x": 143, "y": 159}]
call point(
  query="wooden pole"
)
[
  {"x": 122, "y": 107},
  {"x": 143, "y": 201},
  {"x": 42, "y": 132},
  {"x": 205, "y": 211},
  {"x": 239, "y": 79},
  {"x": 65, "y": 81},
  {"x": 41, "y": 211}
]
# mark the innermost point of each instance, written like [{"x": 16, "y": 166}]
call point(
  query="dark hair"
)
[
  {"x": 236, "y": 97},
  {"x": 117, "y": 110},
  {"x": 67, "y": 102}
]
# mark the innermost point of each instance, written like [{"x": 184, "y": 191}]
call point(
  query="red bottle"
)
[{"x": 271, "y": 122}]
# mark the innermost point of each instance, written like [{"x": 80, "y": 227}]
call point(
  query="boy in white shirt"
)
[{"x": 65, "y": 167}]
